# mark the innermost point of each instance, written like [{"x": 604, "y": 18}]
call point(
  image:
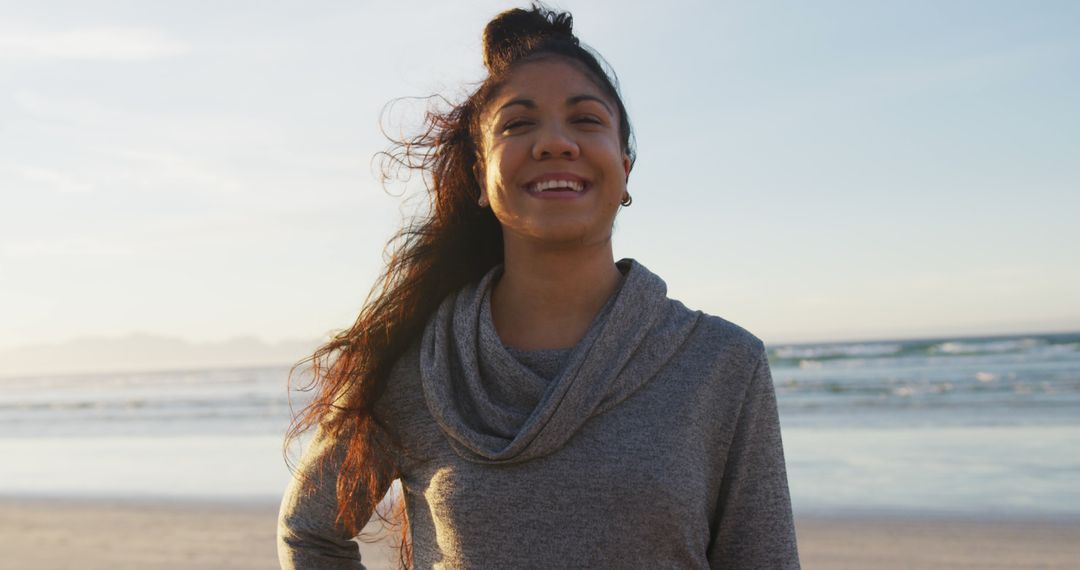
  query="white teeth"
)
[{"x": 567, "y": 184}]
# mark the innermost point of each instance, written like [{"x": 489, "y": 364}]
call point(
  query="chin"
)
[{"x": 569, "y": 235}]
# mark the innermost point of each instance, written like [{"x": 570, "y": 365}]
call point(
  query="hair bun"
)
[{"x": 513, "y": 34}]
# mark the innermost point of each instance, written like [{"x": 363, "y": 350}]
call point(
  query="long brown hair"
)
[{"x": 454, "y": 243}]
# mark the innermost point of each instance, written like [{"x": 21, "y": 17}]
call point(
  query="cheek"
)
[
  {"x": 496, "y": 181},
  {"x": 500, "y": 168},
  {"x": 612, "y": 153}
]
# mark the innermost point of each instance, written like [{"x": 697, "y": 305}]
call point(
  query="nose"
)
[{"x": 554, "y": 141}]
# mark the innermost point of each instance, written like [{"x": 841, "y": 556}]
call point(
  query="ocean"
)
[{"x": 978, "y": 427}]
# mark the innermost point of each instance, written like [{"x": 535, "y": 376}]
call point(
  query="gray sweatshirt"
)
[{"x": 653, "y": 443}]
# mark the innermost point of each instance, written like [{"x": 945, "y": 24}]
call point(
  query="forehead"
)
[{"x": 546, "y": 81}]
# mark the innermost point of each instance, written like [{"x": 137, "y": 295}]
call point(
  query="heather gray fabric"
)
[
  {"x": 544, "y": 363},
  {"x": 654, "y": 443}
]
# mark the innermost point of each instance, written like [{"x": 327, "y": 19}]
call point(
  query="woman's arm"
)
[
  {"x": 754, "y": 527},
  {"x": 308, "y": 537}
]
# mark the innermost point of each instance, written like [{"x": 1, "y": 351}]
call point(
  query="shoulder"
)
[
  {"x": 717, "y": 371},
  {"x": 721, "y": 346},
  {"x": 723, "y": 331},
  {"x": 402, "y": 402},
  {"x": 708, "y": 334},
  {"x": 403, "y": 381}
]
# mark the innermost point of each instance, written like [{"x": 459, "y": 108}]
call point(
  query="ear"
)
[{"x": 627, "y": 165}]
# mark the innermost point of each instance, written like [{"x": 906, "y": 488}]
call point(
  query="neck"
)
[{"x": 548, "y": 298}]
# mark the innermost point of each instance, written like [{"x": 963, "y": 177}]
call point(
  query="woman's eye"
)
[
  {"x": 514, "y": 124},
  {"x": 588, "y": 119}
]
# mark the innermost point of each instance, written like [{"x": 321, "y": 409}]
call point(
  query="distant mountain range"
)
[{"x": 141, "y": 351}]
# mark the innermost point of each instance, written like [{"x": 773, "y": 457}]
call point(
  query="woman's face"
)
[{"x": 554, "y": 167}]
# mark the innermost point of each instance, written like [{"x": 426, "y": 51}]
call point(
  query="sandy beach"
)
[
  {"x": 46, "y": 534},
  {"x": 90, "y": 535}
]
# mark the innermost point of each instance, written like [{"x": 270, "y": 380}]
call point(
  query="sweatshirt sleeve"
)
[
  {"x": 308, "y": 537},
  {"x": 753, "y": 525}
]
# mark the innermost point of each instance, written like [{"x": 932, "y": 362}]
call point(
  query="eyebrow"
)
[
  {"x": 579, "y": 98},
  {"x": 530, "y": 104}
]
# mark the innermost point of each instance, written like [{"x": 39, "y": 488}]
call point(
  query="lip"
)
[{"x": 557, "y": 195}]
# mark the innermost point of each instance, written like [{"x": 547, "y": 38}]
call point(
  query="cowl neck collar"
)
[{"x": 493, "y": 409}]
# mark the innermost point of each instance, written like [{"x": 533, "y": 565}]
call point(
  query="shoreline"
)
[{"x": 168, "y": 533}]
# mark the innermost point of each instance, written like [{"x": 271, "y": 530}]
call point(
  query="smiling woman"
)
[{"x": 540, "y": 403}]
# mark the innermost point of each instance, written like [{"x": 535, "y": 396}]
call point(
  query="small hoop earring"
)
[{"x": 626, "y": 200}]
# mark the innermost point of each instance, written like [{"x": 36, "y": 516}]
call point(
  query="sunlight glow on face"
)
[{"x": 550, "y": 119}]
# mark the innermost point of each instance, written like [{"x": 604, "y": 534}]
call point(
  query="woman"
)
[{"x": 541, "y": 404}]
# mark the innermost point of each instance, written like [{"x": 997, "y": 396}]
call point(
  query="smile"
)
[{"x": 557, "y": 185}]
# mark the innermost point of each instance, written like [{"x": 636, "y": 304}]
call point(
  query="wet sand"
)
[
  {"x": 95, "y": 534},
  {"x": 895, "y": 543}
]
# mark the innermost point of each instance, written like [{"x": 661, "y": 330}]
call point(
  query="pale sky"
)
[{"x": 810, "y": 171}]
